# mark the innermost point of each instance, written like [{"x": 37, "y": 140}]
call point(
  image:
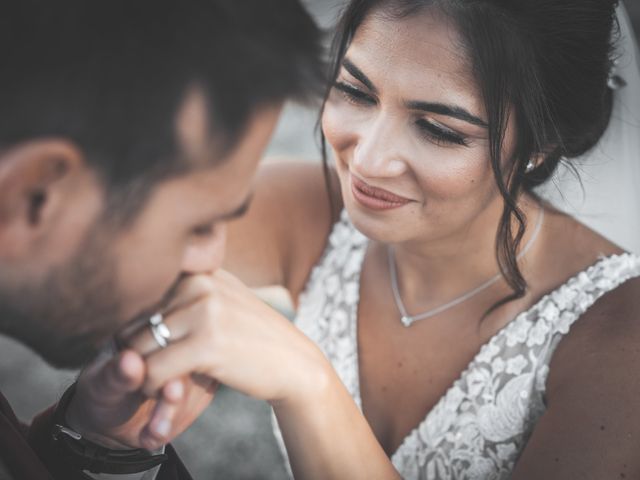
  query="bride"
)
[{"x": 483, "y": 332}]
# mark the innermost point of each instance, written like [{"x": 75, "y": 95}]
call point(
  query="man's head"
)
[{"x": 129, "y": 132}]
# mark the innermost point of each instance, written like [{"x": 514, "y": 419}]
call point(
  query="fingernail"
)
[
  {"x": 175, "y": 390},
  {"x": 163, "y": 427}
]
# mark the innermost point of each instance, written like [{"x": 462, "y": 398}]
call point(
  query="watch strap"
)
[{"x": 90, "y": 456}]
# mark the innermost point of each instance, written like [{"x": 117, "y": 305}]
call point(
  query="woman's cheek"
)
[
  {"x": 452, "y": 174},
  {"x": 340, "y": 125}
]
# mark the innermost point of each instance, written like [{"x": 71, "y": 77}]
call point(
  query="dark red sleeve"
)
[{"x": 39, "y": 438}]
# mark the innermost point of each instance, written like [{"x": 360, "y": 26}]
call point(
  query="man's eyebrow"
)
[
  {"x": 357, "y": 73},
  {"x": 448, "y": 110},
  {"x": 238, "y": 212}
]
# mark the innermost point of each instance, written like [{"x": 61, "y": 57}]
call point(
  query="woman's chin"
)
[{"x": 380, "y": 226}]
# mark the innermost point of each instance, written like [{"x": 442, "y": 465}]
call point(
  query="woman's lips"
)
[{"x": 375, "y": 198}]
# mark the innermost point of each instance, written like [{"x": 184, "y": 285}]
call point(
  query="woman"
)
[{"x": 446, "y": 294}]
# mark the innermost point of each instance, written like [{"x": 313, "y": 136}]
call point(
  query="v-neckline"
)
[{"x": 511, "y": 324}]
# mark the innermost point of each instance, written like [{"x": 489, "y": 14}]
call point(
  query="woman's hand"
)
[{"x": 221, "y": 330}]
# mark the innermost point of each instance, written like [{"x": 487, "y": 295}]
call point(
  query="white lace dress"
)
[{"x": 479, "y": 427}]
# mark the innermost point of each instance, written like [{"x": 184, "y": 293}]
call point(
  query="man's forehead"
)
[
  {"x": 193, "y": 126},
  {"x": 229, "y": 177}
]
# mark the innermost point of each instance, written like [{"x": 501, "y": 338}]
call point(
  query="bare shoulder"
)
[
  {"x": 605, "y": 340},
  {"x": 301, "y": 181},
  {"x": 565, "y": 248},
  {"x": 591, "y": 426},
  {"x": 575, "y": 242},
  {"x": 283, "y": 233},
  {"x": 298, "y": 193},
  {"x": 607, "y": 336}
]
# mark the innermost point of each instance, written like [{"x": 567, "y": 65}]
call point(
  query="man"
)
[{"x": 129, "y": 134}]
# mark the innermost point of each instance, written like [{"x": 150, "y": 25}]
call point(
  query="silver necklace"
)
[{"x": 408, "y": 320}]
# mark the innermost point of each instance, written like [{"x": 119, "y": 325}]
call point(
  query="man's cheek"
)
[{"x": 144, "y": 290}]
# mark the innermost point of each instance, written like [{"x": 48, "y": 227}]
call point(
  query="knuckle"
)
[
  {"x": 190, "y": 288},
  {"x": 202, "y": 284},
  {"x": 210, "y": 309},
  {"x": 226, "y": 279}
]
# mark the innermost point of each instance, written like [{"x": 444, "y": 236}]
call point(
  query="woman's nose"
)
[{"x": 378, "y": 150}]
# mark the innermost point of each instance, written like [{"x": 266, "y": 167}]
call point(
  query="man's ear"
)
[{"x": 37, "y": 180}]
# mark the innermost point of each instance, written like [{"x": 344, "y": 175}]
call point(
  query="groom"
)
[{"x": 129, "y": 134}]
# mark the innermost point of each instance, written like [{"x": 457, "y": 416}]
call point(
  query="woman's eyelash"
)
[
  {"x": 354, "y": 95},
  {"x": 439, "y": 134},
  {"x": 433, "y": 132}
]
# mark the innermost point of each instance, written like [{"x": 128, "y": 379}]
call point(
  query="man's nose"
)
[{"x": 206, "y": 254}]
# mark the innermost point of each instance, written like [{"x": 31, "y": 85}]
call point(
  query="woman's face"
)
[{"x": 408, "y": 128}]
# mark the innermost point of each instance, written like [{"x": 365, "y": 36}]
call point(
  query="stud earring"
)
[{"x": 530, "y": 166}]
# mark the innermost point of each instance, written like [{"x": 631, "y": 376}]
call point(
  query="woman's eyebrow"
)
[
  {"x": 357, "y": 73},
  {"x": 439, "y": 108},
  {"x": 448, "y": 110}
]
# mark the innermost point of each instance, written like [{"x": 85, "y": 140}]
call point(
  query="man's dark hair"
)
[{"x": 110, "y": 75}]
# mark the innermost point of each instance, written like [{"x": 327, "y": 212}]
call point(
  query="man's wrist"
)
[
  {"x": 73, "y": 420},
  {"x": 88, "y": 455}
]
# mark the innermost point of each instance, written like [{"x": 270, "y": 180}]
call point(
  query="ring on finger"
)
[{"x": 159, "y": 330}]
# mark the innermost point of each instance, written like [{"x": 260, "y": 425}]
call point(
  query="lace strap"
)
[{"x": 569, "y": 303}]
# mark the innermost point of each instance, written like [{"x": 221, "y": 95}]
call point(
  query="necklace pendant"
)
[{"x": 406, "y": 321}]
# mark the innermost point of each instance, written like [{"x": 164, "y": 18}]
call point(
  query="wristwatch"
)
[{"x": 87, "y": 455}]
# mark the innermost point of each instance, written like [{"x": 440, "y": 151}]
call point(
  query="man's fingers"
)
[
  {"x": 118, "y": 377},
  {"x": 158, "y": 430}
]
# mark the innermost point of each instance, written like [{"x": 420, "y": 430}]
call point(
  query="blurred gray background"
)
[
  {"x": 233, "y": 439},
  {"x": 633, "y": 6}
]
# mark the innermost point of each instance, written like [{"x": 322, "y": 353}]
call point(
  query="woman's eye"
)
[
  {"x": 354, "y": 95},
  {"x": 440, "y": 135}
]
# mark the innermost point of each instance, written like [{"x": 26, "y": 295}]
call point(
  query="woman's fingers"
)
[
  {"x": 190, "y": 289},
  {"x": 186, "y": 293},
  {"x": 179, "y": 324},
  {"x": 179, "y": 359},
  {"x": 227, "y": 334}
]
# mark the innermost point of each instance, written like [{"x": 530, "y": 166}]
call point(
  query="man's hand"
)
[{"x": 109, "y": 407}]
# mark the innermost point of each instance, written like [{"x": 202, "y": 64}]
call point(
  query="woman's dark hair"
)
[{"x": 548, "y": 60}]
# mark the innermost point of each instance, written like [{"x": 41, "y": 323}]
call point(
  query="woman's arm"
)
[
  {"x": 327, "y": 437},
  {"x": 221, "y": 330},
  {"x": 284, "y": 232},
  {"x": 591, "y": 429}
]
